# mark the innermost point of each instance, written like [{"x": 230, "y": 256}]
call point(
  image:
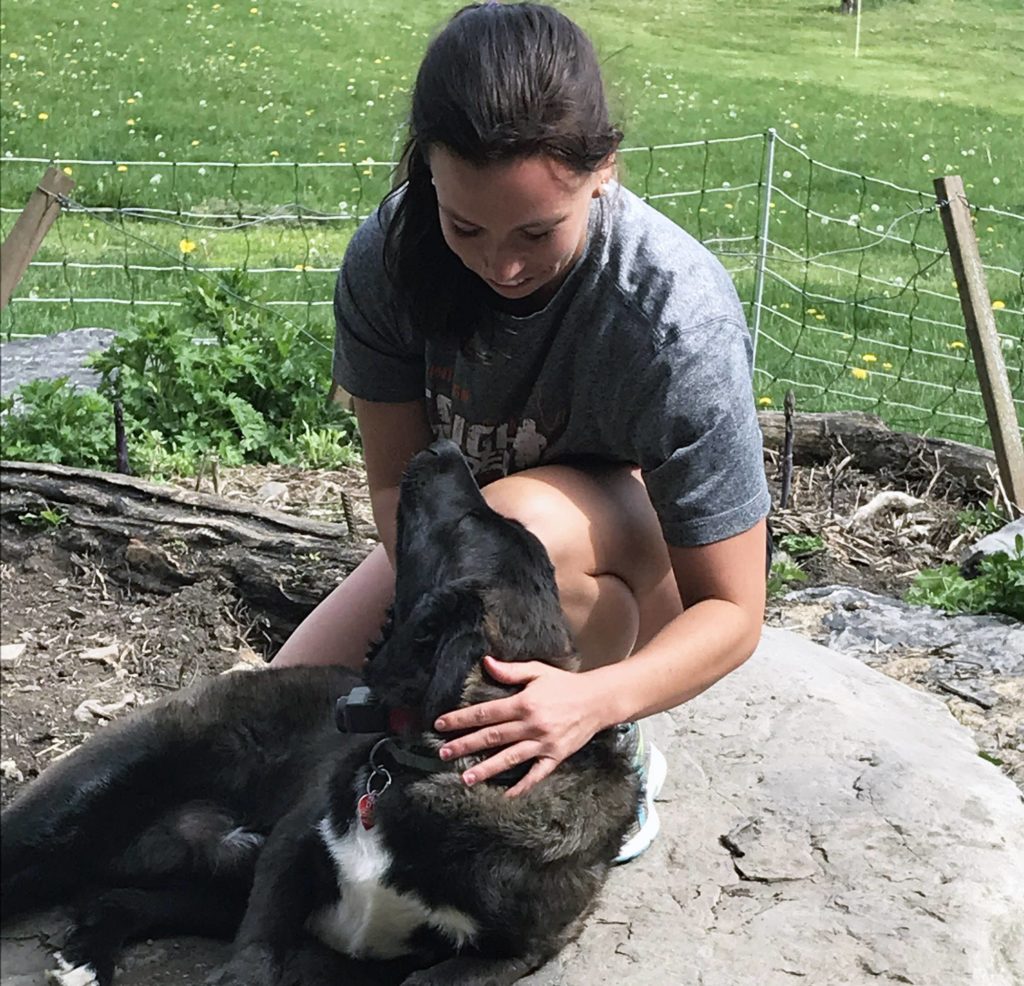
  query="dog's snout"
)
[
  {"x": 442, "y": 457},
  {"x": 444, "y": 447}
]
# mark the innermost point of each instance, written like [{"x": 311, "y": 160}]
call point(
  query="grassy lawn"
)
[{"x": 870, "y": 322}]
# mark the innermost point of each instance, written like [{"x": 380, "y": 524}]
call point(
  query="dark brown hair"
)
[{"x": 500, "y": 82}]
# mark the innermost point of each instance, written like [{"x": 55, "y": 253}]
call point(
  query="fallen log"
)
[
  {"x": 155, "y": 538},
  {"x": 817, "y": 437}
]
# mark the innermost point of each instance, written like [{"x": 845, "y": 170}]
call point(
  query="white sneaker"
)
[{"x": 650, "y": 765}]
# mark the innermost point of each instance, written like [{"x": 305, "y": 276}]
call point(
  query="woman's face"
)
[{"x": 519, "y": 225}]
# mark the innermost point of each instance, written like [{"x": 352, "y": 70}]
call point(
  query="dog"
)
[{"x": 235, "y": 808}]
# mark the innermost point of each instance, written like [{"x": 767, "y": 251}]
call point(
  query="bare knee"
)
[{"x": 604, "y": 541}]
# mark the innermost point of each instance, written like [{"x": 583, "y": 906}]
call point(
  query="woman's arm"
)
[
  {"x": 723, "y": 591},
  {"x": 392, "y": 434},
  {"x": 722, "y": 587}
]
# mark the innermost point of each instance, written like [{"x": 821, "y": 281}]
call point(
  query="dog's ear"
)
[
  {"x": 424, "y": 659},
  {"x": 459, "y": 646}
]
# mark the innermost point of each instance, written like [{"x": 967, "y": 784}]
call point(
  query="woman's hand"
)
[{"x": 555, "y": 714}]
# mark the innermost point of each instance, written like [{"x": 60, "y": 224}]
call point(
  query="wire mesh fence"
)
[{"x": 845, "y": 277}]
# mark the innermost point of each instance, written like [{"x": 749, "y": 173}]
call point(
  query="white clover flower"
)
[{"x": 156, "y": 179}]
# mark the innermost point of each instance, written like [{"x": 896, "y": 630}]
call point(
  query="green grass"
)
[{"x": 936, "y": 90}]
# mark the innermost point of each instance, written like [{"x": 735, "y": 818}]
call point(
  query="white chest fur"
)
[{"x": 372, "y": 920}]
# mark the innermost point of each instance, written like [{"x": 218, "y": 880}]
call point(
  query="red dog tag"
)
[{"x": 367, "y": 808}]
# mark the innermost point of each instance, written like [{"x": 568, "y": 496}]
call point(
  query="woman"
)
[{"x": 592, "y": 361}]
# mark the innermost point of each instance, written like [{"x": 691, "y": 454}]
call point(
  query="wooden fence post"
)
[
  {"x": 981, "y": 331},
  {"x": 21, "y": 244}
]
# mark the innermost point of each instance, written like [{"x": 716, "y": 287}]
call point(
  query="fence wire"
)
[{"x": 845, "y": 277}]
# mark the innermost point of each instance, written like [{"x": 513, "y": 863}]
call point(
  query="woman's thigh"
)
[{"x": 611, "y": 562}]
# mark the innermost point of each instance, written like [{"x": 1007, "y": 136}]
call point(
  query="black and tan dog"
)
[{"x": 236, "y": 809}]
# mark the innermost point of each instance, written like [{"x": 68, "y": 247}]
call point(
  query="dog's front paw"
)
[
  {"x": 72, "y": 973},
  {"x": 251, "y": 966}
]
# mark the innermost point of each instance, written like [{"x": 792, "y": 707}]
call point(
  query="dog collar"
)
[
  {"x": 394, "y": 755},
  {"x": 360, "y": 712}
]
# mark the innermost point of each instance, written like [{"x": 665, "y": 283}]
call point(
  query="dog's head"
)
[{"x": 468, "y": 582}]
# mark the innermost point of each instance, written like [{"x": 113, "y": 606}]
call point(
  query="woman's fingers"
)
[
  {"x": 500, "y": 762},
  {"x": 541, "y": 768},
  {"x": 488, "y": 738},
  {"x": 477, "y": 716}
]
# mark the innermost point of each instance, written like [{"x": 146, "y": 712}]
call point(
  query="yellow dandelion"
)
[
  {"x": 67, "y": 170},
  {"x": 820, "y": 317},
  {"x": 254, "y": 10},
  {"x": 859, "y": 373},
  {"x": 765, "y": 402},
  {"x": 195, "y": 143},
  {"x": 13, "y": 54},
  {"x": 186, "y": 246},
  {"x": 957, "y": 344},
  {"x": 997, "y": 305},
  {"x": 275, "y": 153},
  {"x": 115, "y": 5},
  {"x": 869, "y": 358},
  {"x": 130, "y": 100},
  {"x": 130, "y": 121},
  {"x": 887, "y": 366},
  {"x": 812, "y": 311},
  {"x": 122, "y": 167},
  {"x": 44, "y": 116}
]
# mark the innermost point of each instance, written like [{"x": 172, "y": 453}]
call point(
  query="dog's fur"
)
[{"x": 161, "y": 824}]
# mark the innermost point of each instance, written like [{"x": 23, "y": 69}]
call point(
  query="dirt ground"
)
[{"x": 79, "y": 650}]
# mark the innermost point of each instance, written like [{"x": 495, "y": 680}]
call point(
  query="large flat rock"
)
[{"x": 821, "y": 824}]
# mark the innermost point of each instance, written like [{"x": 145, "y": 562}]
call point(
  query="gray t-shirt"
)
[{"x": 642, "y": 356}]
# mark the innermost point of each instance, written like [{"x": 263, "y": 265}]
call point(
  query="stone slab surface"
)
[
  {"x": 821, "y": 824},
  {"x": 47, "y": 357}
]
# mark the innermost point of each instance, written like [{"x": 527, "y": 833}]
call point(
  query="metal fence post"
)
[{"x": 762, "y": 234}]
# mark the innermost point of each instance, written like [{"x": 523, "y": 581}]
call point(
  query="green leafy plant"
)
[
  {"x": 216, "y": 377},
  {"x": 324, "y": 448},
  {"x": 54, "y": 421},
  {"x": 999, "y": 587},
  {"x": 801, "y": 545},
  {"x": 784, "y": 574},
  {"x": 47, "y": 517},
  {"x": 984, "y": 519}
]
